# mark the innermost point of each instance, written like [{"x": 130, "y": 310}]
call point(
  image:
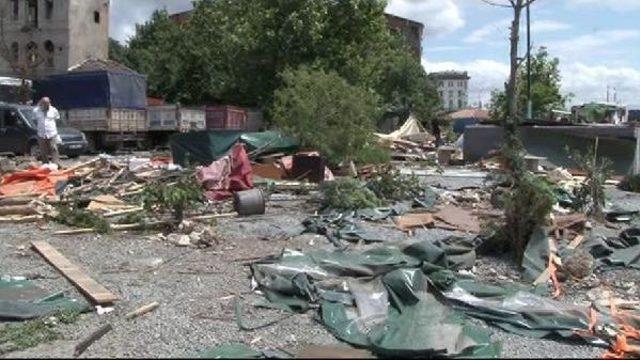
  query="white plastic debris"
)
[{"x": 103, "y": 310}]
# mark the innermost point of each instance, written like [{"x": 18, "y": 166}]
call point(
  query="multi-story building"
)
[
  {"x": 453, "y": 87},
  {"x": 46, "y": 37},
  {"x": 412, "y": 31}
]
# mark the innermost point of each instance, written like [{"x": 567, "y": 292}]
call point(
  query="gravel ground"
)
[{"x": 194, "y": 286}]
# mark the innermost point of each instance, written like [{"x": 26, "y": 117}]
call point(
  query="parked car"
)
[{"x": 19, "y": 134}]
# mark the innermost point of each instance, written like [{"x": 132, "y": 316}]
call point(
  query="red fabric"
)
[
  {"x": 38, "y": 181},
  {"x": 230, "y": 174}
]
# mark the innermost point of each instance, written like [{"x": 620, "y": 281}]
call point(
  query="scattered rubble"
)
[{"x": 373, "y": 290}]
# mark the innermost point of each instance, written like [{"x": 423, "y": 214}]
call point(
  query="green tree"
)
[
  {"x": 326, "y": 113},
  {"x": 233, "y": 52},
  {"x": 545, "y": 89},
  {"x": 118, "y": 52},
  {"x": 155, "y": 50}
]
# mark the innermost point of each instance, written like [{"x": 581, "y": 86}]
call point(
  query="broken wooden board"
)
[
  {"x": 411, "y": 221},
  {"x": 97, "y": 293},
  {"x": 461, "y": 219}
]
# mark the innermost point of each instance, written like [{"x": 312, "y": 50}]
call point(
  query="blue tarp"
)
[{"x": 98, "y": 89}]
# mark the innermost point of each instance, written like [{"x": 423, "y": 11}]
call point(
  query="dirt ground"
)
[{"x": 195, "y": 288}]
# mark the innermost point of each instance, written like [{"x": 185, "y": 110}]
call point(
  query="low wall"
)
[{"x": 618, "y": 143}]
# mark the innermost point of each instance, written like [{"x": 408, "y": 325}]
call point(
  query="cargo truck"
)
[{"x": 103, "y": 99}]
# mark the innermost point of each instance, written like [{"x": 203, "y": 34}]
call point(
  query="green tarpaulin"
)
[
  {"x": 204, "y": 147},
  {"x": 21, "y": 300},
  {"x": 409, "y": 301},
  {"x": 380, "y": 299}
]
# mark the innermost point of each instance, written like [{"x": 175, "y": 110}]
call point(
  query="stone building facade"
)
[
  {"x": 46, "y": 37},
  {"x": 453, "y": 87}
]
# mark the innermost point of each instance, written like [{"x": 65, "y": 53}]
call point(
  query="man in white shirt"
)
[{"x": 46, "y": 116}]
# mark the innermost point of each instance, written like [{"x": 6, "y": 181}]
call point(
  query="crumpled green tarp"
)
[
  {"x": 621, "y": 251},
  {"x": 21, "y": 300},
  {"x": 408, "y": 301},
  {"x": 380, "y": 298},
  {"x": 516, "y": 309},
  {"x": 230, "y": 351},
  {"x": 338, "y": 226},
  {"x": 536, "y": 255},
  {"x": 240, "y": 351},
  {"x": 205, "y": 147}
]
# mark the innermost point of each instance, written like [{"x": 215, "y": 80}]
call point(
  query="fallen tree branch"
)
[{"x": 95, "y": 336}]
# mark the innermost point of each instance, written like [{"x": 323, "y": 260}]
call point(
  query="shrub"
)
[
  {"x": 526, "y": 206},
  {"x": 326, "y": 113},
  {"x": 590, "y": 196}
]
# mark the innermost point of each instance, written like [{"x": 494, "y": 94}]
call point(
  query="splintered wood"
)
[{"x": 97, "y": 293}]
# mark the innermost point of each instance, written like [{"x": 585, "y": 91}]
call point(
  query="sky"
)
[{"x": 595, "y": 40}]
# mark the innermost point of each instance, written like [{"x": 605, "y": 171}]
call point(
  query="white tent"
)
[{"x": 411, "y": 130}]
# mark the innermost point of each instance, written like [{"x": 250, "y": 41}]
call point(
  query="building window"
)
[
  {"x": 16, "y": 9},
  {"x": 450, "y": 93},
  {"x": 50, "y": 49},
  {"x": 451, "y": 104},
  {"x": 48, "y": 7},
  {"x": 15, "y": 51},
  {"x": 460, "y": 93},
  {"x": 450, "y": 83},
  {"x": 460, "y": 104},
  {"x": 32, "y": 53},
  {"x": 33, "y": 13},
  {"x": 441, "y": 94},
  {"x": 96, "y": 17}
]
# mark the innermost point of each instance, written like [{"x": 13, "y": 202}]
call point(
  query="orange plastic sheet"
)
[
  {"x": 627, "y": 345},
  {"x": 38, "y": 181}
]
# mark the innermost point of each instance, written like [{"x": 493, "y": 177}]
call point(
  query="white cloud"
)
[
  {"x": 587, "y": 83},
  {"x": 544, "y": 26},
  {"x": 499, "y": 30},
  {"x": 439, "y": 16},
  {"x": 597, "y": 45},
  {"x": 617, "y": 5},
  {"x": 126, "y": 13},
  {"x": 488, "y": 32}
]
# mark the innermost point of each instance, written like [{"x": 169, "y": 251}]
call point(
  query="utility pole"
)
[{"x": 529, "y": 94}]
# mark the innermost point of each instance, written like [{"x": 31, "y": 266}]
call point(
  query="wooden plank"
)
[
  {"x": 576, "y": 242},
  {"x": 97, "y": 293}
]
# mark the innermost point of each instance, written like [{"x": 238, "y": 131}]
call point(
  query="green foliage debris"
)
[
  {"x": 181, "y": 196},
  {"x": 393, "y": 186},
  {"x": 348, "y": 194},
  {"x": 28, "y": 334},
  {"x": 81, "y": 218}
]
